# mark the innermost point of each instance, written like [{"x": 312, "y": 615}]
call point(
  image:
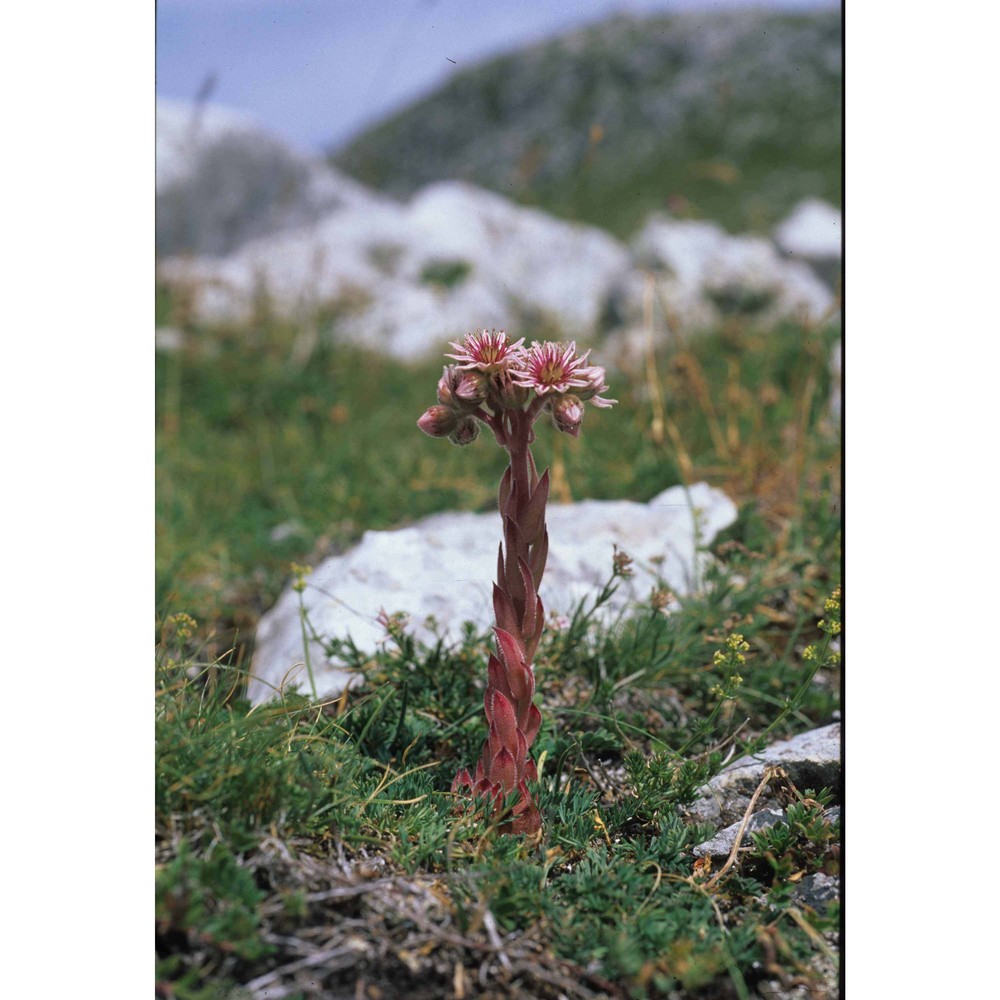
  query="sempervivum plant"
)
[{"x": 507, "y": 387}]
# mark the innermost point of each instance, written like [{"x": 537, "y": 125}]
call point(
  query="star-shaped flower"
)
[
  {"x": 552, "y": 367},
  {"x": 487, "y": 351}
]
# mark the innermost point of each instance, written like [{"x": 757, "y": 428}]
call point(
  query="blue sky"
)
[{"x": 318, "y": 71}]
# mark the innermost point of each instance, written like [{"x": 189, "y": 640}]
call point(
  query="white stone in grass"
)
[
  {"x": 371, "y": 260},
  {"x": 812, "y": 232},
  {"x": 704, "y": 273},
  {"x": 444, "y": 565}
]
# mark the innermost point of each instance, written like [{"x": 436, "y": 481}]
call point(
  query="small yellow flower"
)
[
  {"x": 183, "y": 624},
  {"x": 300, "y": 573}
]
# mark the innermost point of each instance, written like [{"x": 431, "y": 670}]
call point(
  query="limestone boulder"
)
[
  {"x": 406, "y": 279},
  {"x": 813, "y": 233},
  {"x": 704, "y": 275},
  {"x": 439, "y": 571}
]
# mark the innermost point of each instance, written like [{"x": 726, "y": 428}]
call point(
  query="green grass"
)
[
  {"x": 262, "y": 460},
  {"x": 610, "y": 885},
  {"x": 293, "y": 831},
  {"x": 445, "y": 273}
]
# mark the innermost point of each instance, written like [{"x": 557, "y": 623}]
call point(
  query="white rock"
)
[
  {"x": 169, "y": 339},
  {"x": 378, "y": 252},
  {"x": 257, "y": 221},
  {"x": 812, "y": 232},
  {"x": 444, "y": 565},
  {"x": 412, "y": 320},
  {"x": 526, "y": 255},
  {"x": 703, "y": 273}
]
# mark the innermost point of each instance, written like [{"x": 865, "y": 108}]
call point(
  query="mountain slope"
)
[{"x": 733, "y": 117}]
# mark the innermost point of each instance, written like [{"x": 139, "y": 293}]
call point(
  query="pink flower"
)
[
  {"x": 472, "y": 388},
  {"x": 487, "y": 351},
  {"x": 595, "y": 385},
  {"x": 447, "y": 385},
  {"x": 552, "y": 367}
]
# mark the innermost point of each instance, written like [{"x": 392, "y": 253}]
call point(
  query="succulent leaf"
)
[{"x": 533, "y": 516}]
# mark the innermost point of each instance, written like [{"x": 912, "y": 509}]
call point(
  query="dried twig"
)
[{"x": 769, "y": 773}]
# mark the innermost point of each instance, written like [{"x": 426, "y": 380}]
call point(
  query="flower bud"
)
[
  {"x": 504, "y": 394},
  {"x": 446, "y": 386},
  {"x": 472, "y": 388},
  {"x": 567, "y": 414},
  {"x": 438, "y": 421},
  {"x": 466, "y": 431}
]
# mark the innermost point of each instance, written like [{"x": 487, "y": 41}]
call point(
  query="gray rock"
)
[
  {"x": 722, "y": 843},
  {"x": 719, "y": 846},
  {"x": 811, "y": 759},
  {"x": 826, "y": 967},
  {"x": 443, "y": 566},
  {"x": 817, "y": 891}
]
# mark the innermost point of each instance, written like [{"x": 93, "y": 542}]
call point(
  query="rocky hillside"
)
[{"x": 733, "y": 117}]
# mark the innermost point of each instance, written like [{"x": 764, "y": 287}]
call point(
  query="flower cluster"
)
[
  {"x": 492, "y": 374},
  {"x": 506, "y": 386},
  {"x": 729, "y": 661},
  {"x": 183, "y": 625}
]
